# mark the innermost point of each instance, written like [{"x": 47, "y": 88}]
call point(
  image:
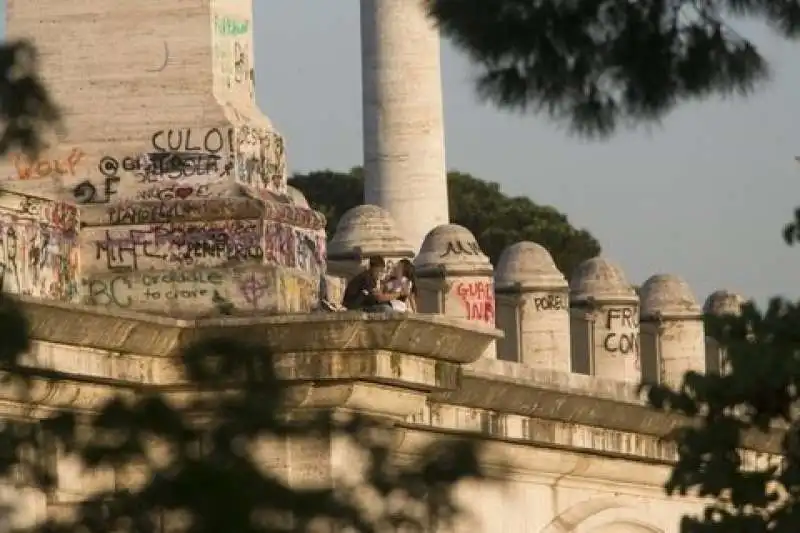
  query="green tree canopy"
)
[
  {"x": 496, "y": 220},
  {"x": 598, "y": 64}
]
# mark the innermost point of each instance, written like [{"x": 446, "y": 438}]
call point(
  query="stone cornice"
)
[
  {"x": 401, "y": 352},
  {"x": 508, "y": 388},
  {"x": 432, "y": 336}
]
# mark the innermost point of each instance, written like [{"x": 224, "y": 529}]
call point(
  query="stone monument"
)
[{"x": 168, "y": 192}]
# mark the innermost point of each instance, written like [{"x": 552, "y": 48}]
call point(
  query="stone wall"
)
[{"x": 576, "y": 453}]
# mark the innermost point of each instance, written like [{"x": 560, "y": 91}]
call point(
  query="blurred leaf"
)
[{"x": 598, "y": 65}]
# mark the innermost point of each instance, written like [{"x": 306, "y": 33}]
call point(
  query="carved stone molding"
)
[{"x": 431, "y": 336}]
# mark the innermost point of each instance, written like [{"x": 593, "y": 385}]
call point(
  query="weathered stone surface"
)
[
  {"x": 186, "y": 258},
  {"x": 507, "y": 388},
  {"x": 39, "y": 249},
  {"x": 187, "y": 177},
  {"x": 431, "y": 336}
]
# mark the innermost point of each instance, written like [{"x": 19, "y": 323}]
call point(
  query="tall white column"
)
[{"x": 404, "y": 164}]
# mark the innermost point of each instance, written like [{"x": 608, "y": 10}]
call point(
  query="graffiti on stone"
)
[
  {"x": 45, "y": 167},
  {"x": 38, "y": 258},
  {"x": 261, "y": 159}
]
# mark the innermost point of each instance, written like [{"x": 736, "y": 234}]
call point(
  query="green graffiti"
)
[{"x": 229, "y": 26}]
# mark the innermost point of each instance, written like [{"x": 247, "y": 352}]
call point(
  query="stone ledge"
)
[
  {"x": 379, "y": 400},
  {"x": 134, "y": 212},
  {"x": 378, "y": 366},
  {"x": 542, "y": 432},
  {"x": 430, "y": 336},
  {"x": 44, "y": 397},
  {"x": 537, "y": 433},
  {"x": 133, "y": 370},
  {"x": 507, "y": 388},
  {"x": 547, "y": 463}
]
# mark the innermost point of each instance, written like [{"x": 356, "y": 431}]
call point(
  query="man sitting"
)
[{"x": 364, "y": 293}]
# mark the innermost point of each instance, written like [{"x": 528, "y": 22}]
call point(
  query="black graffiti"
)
[
  {"x": 157, "y": 166},
  {"x": 86, "y": 192},
  {"x": 625, "y": 317},
  {"x": 189, "y": 253},
  {"x": 623, "y": 343},
  {"x": 122, "y": 254},
  {"x": 184, "y": 140},
  {"x": 240, "y": 62},
  {"x": 459, "y": 248},
  {"x": 144, "y": 213},
  {"x": 178, "y": 246},
  {"x": 103, "y": 292},
  {"x": 551, "y": 302},
  {"x": 30, "y": 206},
  {"x": 183, "y": 165},
  {"x": 154, "y": 289},
  {"x": 182, "y": 276}
]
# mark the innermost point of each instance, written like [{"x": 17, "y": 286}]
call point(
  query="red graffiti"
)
[
  {"x": 478, "y": 299},
  {"x": 27, "y": 169}
]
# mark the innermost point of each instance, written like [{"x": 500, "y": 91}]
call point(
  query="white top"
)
[{"x": 402, "y": 285}]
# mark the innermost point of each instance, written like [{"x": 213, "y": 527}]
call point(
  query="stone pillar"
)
[
  {"x": 532, "y": 308},
  {"x": 671, "y": 315},
  {"x": 455, "y": 277},
  {"x": 404, "y": 162},
  {"x": 363, "y": 232},
  {"x": 600, "y": 291},
  {"x": 720, "y": 303}
]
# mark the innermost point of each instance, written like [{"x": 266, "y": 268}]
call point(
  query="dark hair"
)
[
  {"x": 409, "y": 272},
  {"x": 377, "y": 261}
]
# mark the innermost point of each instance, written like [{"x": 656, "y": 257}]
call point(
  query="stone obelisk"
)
[
  {"x": 177, "y": 178},
  {"x": 404, "y": 155},
  {"x": 172, "y": 103}
]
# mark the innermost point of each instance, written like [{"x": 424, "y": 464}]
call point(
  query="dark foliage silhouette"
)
[
  {"x": 756, "y": 394},
  {"x": 26, "y": 109},
  {"x": 196, "y": 465},
  {"x": 496, "y": 220},
  {"x": 596, "y": 65}
]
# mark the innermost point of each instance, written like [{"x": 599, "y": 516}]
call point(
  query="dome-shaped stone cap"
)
[
  {"x": 722, "y": 302},
  {"x": 667, "y": 295},
  {"x": 601, "y": 280},
  {"x": 452, "y": 248},
  {"x": 297, "y": 197},
  {"x": 367, "y": 230},
  {"x": 527, "y": 264}
]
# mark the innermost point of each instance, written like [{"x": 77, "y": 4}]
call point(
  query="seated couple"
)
[{"x": 369, "y": 292}]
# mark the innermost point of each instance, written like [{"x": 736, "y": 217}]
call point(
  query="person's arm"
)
[
  {"x": 383, "y": 296},
  {"x": 380, "y": 293},
  {"x": 412, "y": 303}
]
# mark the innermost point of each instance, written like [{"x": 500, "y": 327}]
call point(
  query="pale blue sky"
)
[{"x": 704, "y": 196}]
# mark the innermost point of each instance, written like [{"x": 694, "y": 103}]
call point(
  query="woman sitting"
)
[{"x": 402, "y": 283}]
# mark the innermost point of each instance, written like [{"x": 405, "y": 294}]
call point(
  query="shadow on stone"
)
[{"x": 236, "y": 445}]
